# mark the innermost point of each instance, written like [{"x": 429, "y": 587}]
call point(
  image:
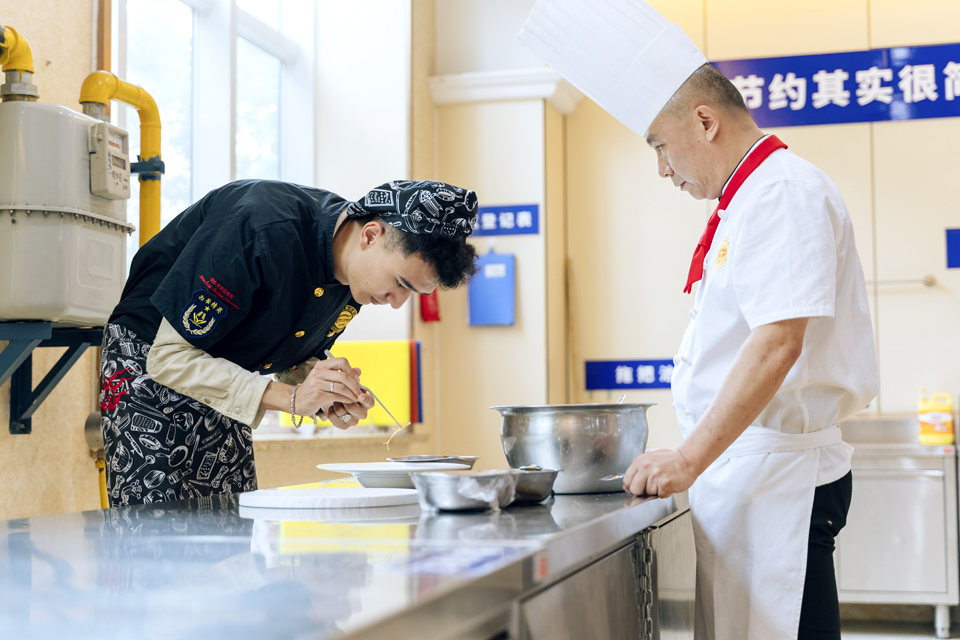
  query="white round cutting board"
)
[{"x": 345, "y": 498}]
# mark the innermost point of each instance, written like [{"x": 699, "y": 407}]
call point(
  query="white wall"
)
[
  {"x": 363, "y": 117},
  {"x": 363, "y": 94},
  {"x": 481, "y": 35},
  {"x": 497, "y": 149}
]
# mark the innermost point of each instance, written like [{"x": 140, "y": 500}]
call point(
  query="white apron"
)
[{"x": 751, "y": 517}]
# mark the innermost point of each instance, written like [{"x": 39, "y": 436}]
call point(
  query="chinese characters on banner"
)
[
  {"x": 902, "y": 83},
  {"x": 508, "y": 220},
  {"x": 629, "y": 374}
]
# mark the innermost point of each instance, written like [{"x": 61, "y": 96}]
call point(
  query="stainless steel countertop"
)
[{"x": 201, "y": 569}]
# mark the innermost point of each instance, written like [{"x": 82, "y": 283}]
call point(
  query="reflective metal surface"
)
[
  {"x": 599, "y": 603},
  {"x": 198, "y": 569},
  {"x": 673, "y": 567},
  {"x": 900, "y": 541},
  {"x": 584, "y": 441}
]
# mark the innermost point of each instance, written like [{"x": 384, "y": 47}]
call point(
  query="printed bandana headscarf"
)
[{"x": 428, "y": 207}]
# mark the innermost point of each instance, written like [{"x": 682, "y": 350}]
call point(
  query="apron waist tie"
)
[{"x": 762, "y": 440}]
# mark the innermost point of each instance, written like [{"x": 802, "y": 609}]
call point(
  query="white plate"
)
[
  {"x": 345, "y": 498},
  {"x": 389, "y": 474}
]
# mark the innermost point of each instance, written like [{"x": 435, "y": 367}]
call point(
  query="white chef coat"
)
[{"x": 784, "y": 249}]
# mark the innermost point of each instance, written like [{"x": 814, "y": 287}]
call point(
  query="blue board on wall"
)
[
  {"x": 629, "y": 374},
  {"x": 491, "y": 291},
  {"x": 900, "y": 83}
]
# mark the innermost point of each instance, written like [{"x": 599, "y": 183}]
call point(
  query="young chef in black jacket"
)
[{"x": 258, "y": 277}]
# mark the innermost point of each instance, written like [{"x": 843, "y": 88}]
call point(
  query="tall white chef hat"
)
[{"x": 622, "y": 54}]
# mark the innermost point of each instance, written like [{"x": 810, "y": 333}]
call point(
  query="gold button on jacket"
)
[
  {"x": 318, "y": 291},
  {"x": 268, "y": 365},
  {"x": 299, "y": 334}
]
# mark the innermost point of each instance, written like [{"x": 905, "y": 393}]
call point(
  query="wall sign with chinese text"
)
[
  {"x": 901, "y": 83},
  {"x": 508, "y": 220},
  {"x": 629, "y": 374},
  {"x": 953, "y": 248}
]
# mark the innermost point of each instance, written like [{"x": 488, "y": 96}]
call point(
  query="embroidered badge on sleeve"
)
[
  {"x": 346, "y": 316},
  {"x": 202, "y": 314}
]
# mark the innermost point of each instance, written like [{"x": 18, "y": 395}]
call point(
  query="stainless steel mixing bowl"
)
[
  {"x": 466, "y": 490},
  {"x": 584, "y": 441}
]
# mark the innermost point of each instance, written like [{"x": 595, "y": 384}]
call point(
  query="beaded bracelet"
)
[{"x": 293, "y": 399}]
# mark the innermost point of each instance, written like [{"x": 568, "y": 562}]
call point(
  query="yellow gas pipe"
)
[
  {"x": 100, "y": 87},
  {"x": 16, "y": 63},
  {"x": 101, "y": 467},
  {"x": 15, "y": 52}
]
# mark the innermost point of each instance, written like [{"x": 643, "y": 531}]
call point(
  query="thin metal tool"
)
[
  {"x": 399, "y": 426},
  {"x": 367, "y": 389},
  {"x": 622, "y": 398},
  {"x": 613, "y": 476}
]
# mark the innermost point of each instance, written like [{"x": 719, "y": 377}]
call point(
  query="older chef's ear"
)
[{"x": 708, "y": 121}]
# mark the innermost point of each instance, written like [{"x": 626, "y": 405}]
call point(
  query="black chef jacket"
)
[{"x": 245, "y": 274}]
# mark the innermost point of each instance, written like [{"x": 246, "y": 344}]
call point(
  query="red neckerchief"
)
[{"x": 753, "y": 160}]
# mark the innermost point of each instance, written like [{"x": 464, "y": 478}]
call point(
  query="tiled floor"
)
[{"x": 892, "y": 631}]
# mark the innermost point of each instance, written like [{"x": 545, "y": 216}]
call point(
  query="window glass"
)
[
  {"x": 159, "y": 53},
  {"x": 266, "y": 11},
  {"x": 258, "y": 113}
]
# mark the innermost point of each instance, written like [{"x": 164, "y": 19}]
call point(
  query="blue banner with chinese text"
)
[
  {"x": 901, "y": 83},
  {"x": 508, "y": 220},
  {"x": 629, "y": 374}
]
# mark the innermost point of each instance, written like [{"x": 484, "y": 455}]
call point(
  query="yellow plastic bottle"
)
[{"x": 935, "y": 415}]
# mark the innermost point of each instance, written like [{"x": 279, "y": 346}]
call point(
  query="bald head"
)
[
  {"x": 702, "y": 133},
  {"x": 708, "y": 86}
]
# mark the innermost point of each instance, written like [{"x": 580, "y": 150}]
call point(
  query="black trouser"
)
[{"x": 820, "y": 611}]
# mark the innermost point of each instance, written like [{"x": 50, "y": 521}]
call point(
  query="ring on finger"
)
[
  {"x": 331, "y": 386},
  {"x": 345, "y": 417}
]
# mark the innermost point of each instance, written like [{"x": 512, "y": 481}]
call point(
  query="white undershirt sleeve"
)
[{"x": 216, "y": 382}]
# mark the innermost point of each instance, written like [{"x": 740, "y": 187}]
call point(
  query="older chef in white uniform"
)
[{"x": 780, "y": 345}]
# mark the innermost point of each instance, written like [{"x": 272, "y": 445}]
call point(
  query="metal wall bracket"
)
[{"x": 16, "y": 364}]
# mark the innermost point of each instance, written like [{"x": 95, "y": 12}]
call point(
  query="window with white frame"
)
[{"x": 233, "y": 80}]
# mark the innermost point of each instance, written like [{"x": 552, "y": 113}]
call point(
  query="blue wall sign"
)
[
  {"x": 953, "y": 248},
  {"x": 629, "y": 374},
  {"x": 901, "y": 83},
  {"x": 508, "y": 220}
]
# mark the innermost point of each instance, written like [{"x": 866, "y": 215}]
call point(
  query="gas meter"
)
[{"x": 109, "y": 162}]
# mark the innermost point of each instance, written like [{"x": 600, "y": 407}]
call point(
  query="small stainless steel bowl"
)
[
  {"x": 534, "y": 485},
  {"x": 584, "y": 441},
  {"x": 463, "y": 491}
]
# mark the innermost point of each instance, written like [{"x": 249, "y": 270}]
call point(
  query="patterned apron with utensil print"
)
[{"x": 160, "y": 445}]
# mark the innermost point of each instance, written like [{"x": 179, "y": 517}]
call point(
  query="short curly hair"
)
[{"x": 454, "y": 260}]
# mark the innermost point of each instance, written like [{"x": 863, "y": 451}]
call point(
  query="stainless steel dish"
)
[
  {"x": 535, "y": 485},
  {"x": 467, "y": 460},
  {"x": 466, "y": 491},
  {"x": 584, "y": 441}
]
